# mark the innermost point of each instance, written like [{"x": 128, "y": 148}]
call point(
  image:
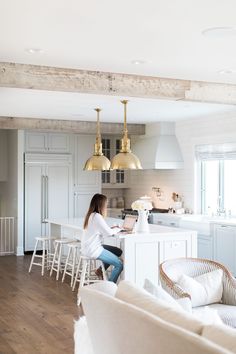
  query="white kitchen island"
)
[{"x": 142, "y": 252}]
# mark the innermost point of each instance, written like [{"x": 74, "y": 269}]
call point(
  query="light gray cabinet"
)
[
  {"x": 48, "y": 193},
  {"x": 205, "y": 246},
  {"x": 117, "y": 178},
  {"x": 225, "y": 246},
  {"x": 47, "y": 142},
  {"x": 86, "y": 183}
]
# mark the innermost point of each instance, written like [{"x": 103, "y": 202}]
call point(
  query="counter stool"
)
[
  {"x": 45, "y": 257},
  {"x": 85, "y": 273},
  {"x": 71, "y": 261},
  {"x": 58, "y": 256}
]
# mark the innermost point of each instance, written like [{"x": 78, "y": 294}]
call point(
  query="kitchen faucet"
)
[{"x": 220, "y": 211}]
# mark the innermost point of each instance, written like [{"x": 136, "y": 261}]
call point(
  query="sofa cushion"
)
[
  {"x": 221, "y": 335},
  {"x": 227, "y": 313},
  {"x": 207, "y": 314},
  {"x": 131, "y": 294},
  {"x": 161, "y": 294},
  {"x": 107, "y": 287},
  {"x": 205, "y": 289}
]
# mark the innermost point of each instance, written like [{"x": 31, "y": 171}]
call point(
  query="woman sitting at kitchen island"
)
[{"x": 95, "y": 229}]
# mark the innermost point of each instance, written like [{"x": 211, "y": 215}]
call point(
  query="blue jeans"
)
[{"x": 110, "y": 258}]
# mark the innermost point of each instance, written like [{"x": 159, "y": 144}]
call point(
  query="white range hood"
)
[{"x": 159, "y": 147}]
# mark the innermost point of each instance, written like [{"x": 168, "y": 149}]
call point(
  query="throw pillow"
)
[
  {"x": 207, "y": 315},
  {"x": 138, "y": 297},
  {"x": 161, "y": 294},
  {"x": 205, "y": 289}
]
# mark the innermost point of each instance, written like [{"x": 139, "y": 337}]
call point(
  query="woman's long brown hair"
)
[{"x": 97, "y": 205}]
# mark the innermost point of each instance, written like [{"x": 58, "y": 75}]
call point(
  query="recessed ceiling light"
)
[
  {"x": 218, "y": 32},
  {"x": 227, "y": 72},
  {"x": 34, "y": 50},
  {"x": 138, "y": 62}
]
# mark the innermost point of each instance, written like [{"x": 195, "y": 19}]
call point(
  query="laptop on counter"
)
[{"x": 128, "y": 224}]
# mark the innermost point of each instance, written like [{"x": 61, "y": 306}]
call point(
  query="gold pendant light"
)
[
  {"x": 98, "y": 162},
  {"x": 125, "y": 160}
]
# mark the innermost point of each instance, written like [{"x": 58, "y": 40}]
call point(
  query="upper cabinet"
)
[
  {"x": 47, "y": 142},
  {"x": 116, "y": 178},
  {"x": 86, "y": 183}
]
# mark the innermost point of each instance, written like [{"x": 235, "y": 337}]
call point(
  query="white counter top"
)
[
  {"x": 77, "y": 224},
  {"x": 200, "y": 218}
]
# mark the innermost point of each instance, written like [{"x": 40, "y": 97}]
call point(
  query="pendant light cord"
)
[{"x": 98, "y": 144}]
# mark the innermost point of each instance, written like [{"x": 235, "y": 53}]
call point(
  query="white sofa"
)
[{"x": 128, "y": 320}]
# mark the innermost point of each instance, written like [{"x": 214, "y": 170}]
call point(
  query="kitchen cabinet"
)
[
  {"x": 86, "y": 183},
  {"x": 174, "y": 249},
  {"x": 225, "y": 246},
  {"x": 165, "y": 219},
  {"x": 114, "y": 213},
  {"x": 116, "y": 178},
  {"x": 47, "y": 142},
  {"x": 48, "y": 193},
  {"x": 205, "y": 246}
]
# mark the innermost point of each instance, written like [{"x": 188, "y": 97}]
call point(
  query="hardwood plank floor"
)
[{"x": 36, "y": 313}]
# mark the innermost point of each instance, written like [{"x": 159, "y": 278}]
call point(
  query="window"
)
[
  {"x": 111, "y": 147},
  {"x": 120, "y": 174},
  {"x": 218, "y": 177},
  {"x": 218, "y": 186},
  {"x": 106, "y": 149}
]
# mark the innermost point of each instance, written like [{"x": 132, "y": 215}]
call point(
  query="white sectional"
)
[{"x": 129, "y": 320}]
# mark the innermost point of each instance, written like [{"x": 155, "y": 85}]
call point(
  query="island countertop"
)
[{"x": 77, "y": 224}]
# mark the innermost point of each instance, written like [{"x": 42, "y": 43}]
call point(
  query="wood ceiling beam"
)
[
  {"x": 95, "y": 82},
  {"x": 68, "y": 126}
]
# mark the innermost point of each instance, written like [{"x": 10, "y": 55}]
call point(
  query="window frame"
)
[{"x": 221, "y": 181}]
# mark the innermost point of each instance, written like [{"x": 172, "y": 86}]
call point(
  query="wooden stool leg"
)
[
  {"x": 74, "y": 256},
  {"x": 54, "y": 259},
  {"x": 82, "y": 278},
  {"x": 59, "y": 262},
  {"x": 76, "y": 274},
  {"x": 43, "y": 259},
  {"x": 103, "y": 271},
  {"x": 32, "y": 259},
  {"x": 67, "y": 261}
]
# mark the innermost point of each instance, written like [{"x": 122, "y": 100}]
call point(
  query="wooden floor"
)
[{"x": 36, "y": 313}]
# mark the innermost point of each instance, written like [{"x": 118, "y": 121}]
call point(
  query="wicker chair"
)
[{"x": 170, "y": 271}]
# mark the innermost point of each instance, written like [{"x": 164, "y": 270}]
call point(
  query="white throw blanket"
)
[{"x": 83, "y": 343}]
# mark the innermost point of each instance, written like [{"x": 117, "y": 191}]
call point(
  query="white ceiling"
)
[
  {"x": 75, "y": 106},
  {"x": 108, "y": 35}
]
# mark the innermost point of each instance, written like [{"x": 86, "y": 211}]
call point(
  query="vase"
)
[{"x": 142, "y": 222}]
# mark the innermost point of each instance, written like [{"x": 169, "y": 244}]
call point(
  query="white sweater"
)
[{"x": 91, "y": 245}]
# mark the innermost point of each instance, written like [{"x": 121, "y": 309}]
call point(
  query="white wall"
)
[
  {"x": 11, "y": 185},
  {"x": 217, "y": 129}
]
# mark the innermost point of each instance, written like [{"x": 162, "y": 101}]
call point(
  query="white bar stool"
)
[
  {"x": 58, "y": 257},
  {"x": 45, "y": 257},
  {"x": 85, "y": 273},
  {"x": 71, "y": 261}
]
